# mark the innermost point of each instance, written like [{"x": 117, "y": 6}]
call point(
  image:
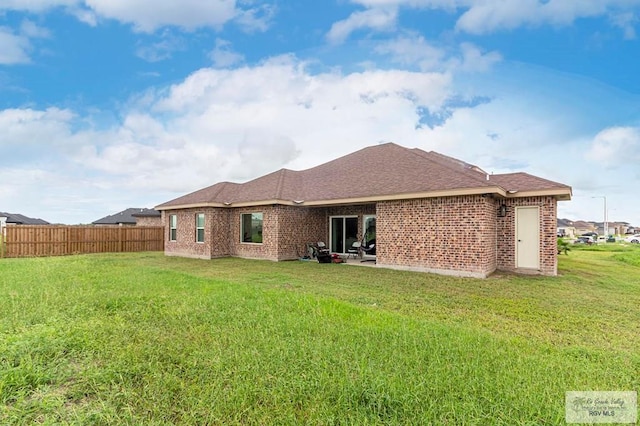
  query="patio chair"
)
[
  {"x": 370, "y": 249},
  {"x": 354, "y": 250}
]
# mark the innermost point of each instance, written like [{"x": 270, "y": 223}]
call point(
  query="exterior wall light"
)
[{"x": 502, "y": 210}]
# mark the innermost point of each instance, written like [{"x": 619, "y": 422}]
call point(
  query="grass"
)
[{"x": 148, "y": 339}]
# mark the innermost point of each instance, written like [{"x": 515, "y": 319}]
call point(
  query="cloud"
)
[
  {"x": 32, "y": 30},
  {"x": 34, "y": 135},
  {"x": 494, "y": 15},
  {"x": 626, "y": 21},
  {"x": 257, "y": 19},
  {"x": 473, "y": 59},
  {"x": 615, "y": 144},
  {"x": 161, "y": 50},
  {"x": 413, "y": 50},
  {"x": 379, "y": 19},
  {"x": 13, "y": 48},
  {"x": 223, "y": 55},
  {"x": 149, "y": 15},
  {"x": 487, "y": 16},
  {"x": 36, "y": 6},
  {"x": 224, "y": 124}
]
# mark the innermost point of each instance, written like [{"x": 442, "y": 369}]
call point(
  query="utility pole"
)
[{"x": 605, "y": 225}]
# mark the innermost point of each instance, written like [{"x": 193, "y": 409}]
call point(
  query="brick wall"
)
[
  {"x": 507, "y": 234},
  {"x": 185, "y": 244},
  {"x": 149, "y": 221},
  {"x": 298, "y": 226},
  {"x": 454, "y": 235}
]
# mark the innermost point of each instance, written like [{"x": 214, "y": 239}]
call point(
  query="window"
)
[
  {"x": 251, "y": 227},
  {"x": 200, "y": 228},
  {"x": 173, "y": 227}
]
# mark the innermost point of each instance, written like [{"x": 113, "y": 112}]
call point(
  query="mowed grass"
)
[{"x": 148, "y": 339}]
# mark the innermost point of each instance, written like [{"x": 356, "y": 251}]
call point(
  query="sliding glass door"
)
[{"x": 344, "y": 231}]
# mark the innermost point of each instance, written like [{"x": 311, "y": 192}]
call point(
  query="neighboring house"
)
[
  {"x": 424, "y": 211},
  {"x": 148, "y": 217},
  {"x": 565, "y": 228},
  {"x": 582, "y": 227},
  {"x": 127, "y": 217},
  {"x": 18, "y": 219}
]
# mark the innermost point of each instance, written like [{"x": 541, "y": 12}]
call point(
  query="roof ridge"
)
[
  {"x": 354, "y": 153},
  {"x": 281, "y": 176},
  {"x": 469, "y": 169}
]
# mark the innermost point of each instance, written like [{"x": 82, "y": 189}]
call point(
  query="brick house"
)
[{"x": 424, "y": 211}]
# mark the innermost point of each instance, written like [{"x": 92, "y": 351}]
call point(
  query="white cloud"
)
[
  {"x": 34, "y": 131},
  {"x": 161, "y": 50},
  {"x": 149, "y": 15},
  {"x": 32, "y": 30},
  {"x": 84, "y": 15},
  {"x": 13, "y": 48},
  {"x": 237, "y": 124},
  {"x": 486, "y": 16},
  {"x": 35, "y": 6},
  {"x": 413, "y": 50},
  {"x": 483, "y": 17},
  {"x": 223, "y": 55},
  {"x": 379, "y": 19},
  {"x": 475, "y": 60},
  {"x": 257, "y": 19},
  {"x": 626, "y": 21},
  {"x": 616, "y": 144},
  {"x": 222, "y": 124}
]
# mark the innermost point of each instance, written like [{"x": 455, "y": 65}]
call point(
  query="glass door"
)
[
  {"x": 369, "y": 237},
  {"x": 344, "y": 231}
]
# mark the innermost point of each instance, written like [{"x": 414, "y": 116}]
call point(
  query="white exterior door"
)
[{"x": 528, "y": 237}]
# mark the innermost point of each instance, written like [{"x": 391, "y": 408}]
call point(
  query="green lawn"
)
[{"x": 148, "y": 339}]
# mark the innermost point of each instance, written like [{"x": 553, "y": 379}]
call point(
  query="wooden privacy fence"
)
[{"x": 26, "y": 241}]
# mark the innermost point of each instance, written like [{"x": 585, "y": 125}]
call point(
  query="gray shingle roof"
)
[
  {"x": 376, "y": 172},
  {"x": 126, "y": 217},
  {"x": 19, "y": 219}
]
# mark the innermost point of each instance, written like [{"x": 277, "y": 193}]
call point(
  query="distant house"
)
[
  {"x": 18, "y": 219},
  {"x": 131, "y": 217},
  {"x": 420, "y": 210},
  {"x": 565, "y": 228},
  {"x": 582, "y": 227},
  {"x": 148, "y": 217}
]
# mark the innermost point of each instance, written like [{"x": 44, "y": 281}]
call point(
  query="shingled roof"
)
[
  {"x": 127, "y": 217},
  {"x": 20, "y": 219},
  {"x": 381, "y": 172}
]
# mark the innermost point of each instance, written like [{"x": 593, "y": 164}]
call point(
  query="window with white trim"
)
[
  {"x": 251, "y": 228},
  {"x": 173, "y": 227},
  {"x": 200, "y": 228}
]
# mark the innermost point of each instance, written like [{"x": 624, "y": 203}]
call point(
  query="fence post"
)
[
  {"x": 120, "y": 239},
  {"x": 3, "y": 224},
  {"x": 67, "y": 242}
]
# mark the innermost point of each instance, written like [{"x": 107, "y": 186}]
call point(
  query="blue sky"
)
[{"x": 110, "y": 104}]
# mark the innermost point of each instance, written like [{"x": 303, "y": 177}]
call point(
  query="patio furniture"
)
[{"x": 354, "y": 250}]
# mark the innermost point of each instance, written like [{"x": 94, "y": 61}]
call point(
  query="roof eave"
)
[
  {"x": 496, "y": 190},
  {"x": 562, "y": 194}
]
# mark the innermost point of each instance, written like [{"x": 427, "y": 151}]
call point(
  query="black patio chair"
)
[{"x": 369, "y": 249}]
